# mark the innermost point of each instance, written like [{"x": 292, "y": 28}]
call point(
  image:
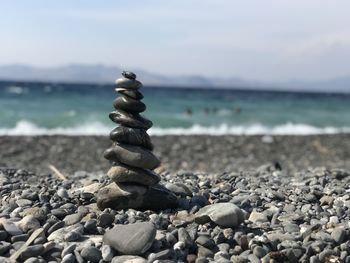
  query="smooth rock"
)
[
  {"x": 126, "y": 174},
  {"x": 128, "y": 259},
  {"x": 12, "y": 229},
  {"x": 69, "y": 258},
  {"x": 28, "y": 222},
  {"x": 130, "y": 120},
  {"x": 131, "y": 136},
  {"x": 256, "y": 217},
  {"x": 339, "y": 235},
  {"x": 125, "y": 196},
  {"x": 222, "y": 214},
  {"x": 31, "y": 260},
  {"x": 68, "y": 250},
  {"x": 129, "y": 84},
  {"x": 129, "y": 105},
  {"x": 128, "y": 74},
  {"x": 179, "y": 189},
  {"x": 105, "y": 220},
  {"x": 132, "y": 155},
  {"x": 134, "y": 94},
  {"x": 91, "y": 254},
  {"x": 72, "y": 219},
  {"x": 107, "y": 253},
  {"x": 60, "y": 234},
  {"x": 33, "y": 251},
  {"x": 132, "y": 239}
]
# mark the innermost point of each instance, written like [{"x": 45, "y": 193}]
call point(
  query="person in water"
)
[{"x": 188, "y": 111}]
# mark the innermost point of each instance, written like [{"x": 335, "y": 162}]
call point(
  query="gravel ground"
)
[
  {"x": 193, "y": 153},
  {"x": 241, "y": 199}
]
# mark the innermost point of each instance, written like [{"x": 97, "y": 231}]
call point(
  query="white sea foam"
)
[
  {"x": 96, "y": 128},
  {"x": 16, "y": 90}
]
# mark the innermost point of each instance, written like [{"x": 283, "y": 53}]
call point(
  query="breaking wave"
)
[{"x": 97, "y": 128}]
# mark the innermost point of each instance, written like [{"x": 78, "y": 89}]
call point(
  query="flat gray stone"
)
[
  {"x": 130, "y": 120},
  {"x": 91, "y": 254},
  {"x": 132, "y": 155},
  {"x": 134, "y": 94},
  {"x": 128, "y": 259},
  {"x": 132, "y": 239},
  {"x": 256, "y": 217},
  {"x": 129, "y": 84},
  {"x": 127, "y": 174},
  {"x": 72, "y": 219},
  {"x": 222, "y": 214},
  {"x": 155, "y": 197},
  {"x": 60, "y": 235},
  {"x": 131, "y": 136},
  {"x": 12, "y": 228},
  {"x": 128, "y": 104}
]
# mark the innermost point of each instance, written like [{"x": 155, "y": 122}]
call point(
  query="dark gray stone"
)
[
  {"x": 55, "y": 226},
  {"x": 338, "y": 234},
  {"x": 131, "y": 136},
  {"x": 91, "y": 254},
  {"x": 132, "y": 239},
  {"x": 132, "y": 155},
  {"x": 68, "y": 250},
  {"x": 179, "y": 189},
  {"x": 140, "y": 197},
  {"x": 205, "y": 241},
  {"x": 5, "y": 247},
  {"x": 3, "y": 235},
  {"x": 134, "y": 94},
  {"x": 130, "y": 120},
  {"x": 127, "y": 174},
  {"x": 105, "y": 220},
  {"x": 129, "y": 75},
  {"x": 185, "y": 237},
  {"x": 129, "y": 105},
  {"x": 32, "y": 251},
  {"x": 128, "y": 84}
]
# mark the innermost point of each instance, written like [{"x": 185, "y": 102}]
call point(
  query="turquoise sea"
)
[{"x": 81, "y": 109}]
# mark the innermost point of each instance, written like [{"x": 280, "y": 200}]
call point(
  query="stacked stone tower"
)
[{"x": 135, "y": 184}]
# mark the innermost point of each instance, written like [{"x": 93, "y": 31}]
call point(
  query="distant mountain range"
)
[{"x": 100, "y": 74}]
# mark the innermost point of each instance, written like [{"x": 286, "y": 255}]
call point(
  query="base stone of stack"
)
[
  {"x": 124, "y": 196},
  {"x": 121, "y": 173}
]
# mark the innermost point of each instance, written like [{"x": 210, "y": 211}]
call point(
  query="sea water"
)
[{"x": 82, "y": 109}]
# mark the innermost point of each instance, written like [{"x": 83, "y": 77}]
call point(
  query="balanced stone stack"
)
[{"x": 135, "y": 185}]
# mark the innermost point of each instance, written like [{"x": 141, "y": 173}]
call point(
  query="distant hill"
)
[{"x": 101, "y": 74}]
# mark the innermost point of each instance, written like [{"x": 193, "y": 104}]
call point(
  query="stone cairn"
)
[{"x": 135, "y": 185}]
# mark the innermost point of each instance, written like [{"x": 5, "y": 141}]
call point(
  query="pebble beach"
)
[{"x": 240, "y": 199}]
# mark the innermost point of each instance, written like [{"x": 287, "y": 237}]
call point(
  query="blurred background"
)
[{"x": 208, "y": 67}]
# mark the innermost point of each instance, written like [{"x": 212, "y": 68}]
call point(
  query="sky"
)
[{"x": 265, "y": 40}]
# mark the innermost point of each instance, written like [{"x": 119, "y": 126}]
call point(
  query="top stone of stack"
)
[{"x": 128, "y": 82}]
